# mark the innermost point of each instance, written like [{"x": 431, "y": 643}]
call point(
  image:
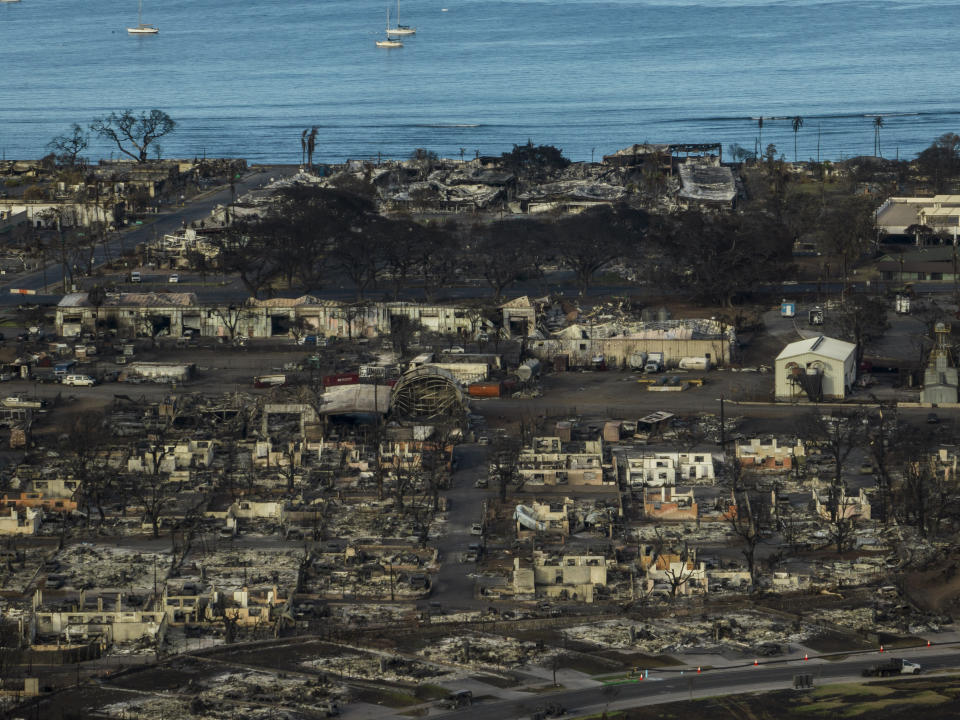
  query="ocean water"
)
[{"x": 245, "y": 78}]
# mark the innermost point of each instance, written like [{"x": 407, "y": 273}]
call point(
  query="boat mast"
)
[{"x": 140, "y": 14}]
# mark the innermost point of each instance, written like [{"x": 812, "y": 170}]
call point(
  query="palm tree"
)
[
  {"x": 760, "y": 128},
  {"x": 877, "y": 124},
  {"x": 796, "y": 124},
  {"x": 303, "y": 147},
  {"x": 311, "y": 145}
]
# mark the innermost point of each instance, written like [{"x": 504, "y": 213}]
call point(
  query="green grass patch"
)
[
  {"x": 852, "y": 689},
  {"x": 926, "y": 698},
  {"x": 548, "y": 688},
  {"x": 427, "y": 692},
  {"x": 498, "y": 681},
  {"x": 390, "y": 698}
]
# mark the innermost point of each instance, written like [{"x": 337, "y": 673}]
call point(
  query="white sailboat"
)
[
  {"x": 389, "y": 42},
  {"x": 141, "y": 28},
  {"x": 400, "y": 29}
]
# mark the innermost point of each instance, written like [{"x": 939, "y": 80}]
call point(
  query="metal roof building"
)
[{"x": 815, "y": 369}]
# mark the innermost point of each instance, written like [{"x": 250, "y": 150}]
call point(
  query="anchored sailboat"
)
[
  {"x": 141, "y": 28},
  {"x": 389, "y": 42},
  {"x": 400, "y": 29}
]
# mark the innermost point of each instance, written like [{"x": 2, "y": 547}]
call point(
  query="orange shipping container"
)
[{"x": 487, "y": 389}]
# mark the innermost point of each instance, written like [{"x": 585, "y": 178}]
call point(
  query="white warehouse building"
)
[{"x": 815, "y": 369}]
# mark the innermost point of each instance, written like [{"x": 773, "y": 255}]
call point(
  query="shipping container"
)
[
  {"x": 341, "y": 379},
  {"x": 484, "y": 389},
  {"x": 263, "y": 381}
]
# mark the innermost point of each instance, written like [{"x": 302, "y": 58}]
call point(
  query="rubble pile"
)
[
  {"x": 97, "y": 566},
  {"x": 740, "y": 632},
  {"x": 254, "y": 567},
  {"x": 484, "y": 651},
  {"x": 887, "y": 617},
  {"x": 380, "y": 667}
]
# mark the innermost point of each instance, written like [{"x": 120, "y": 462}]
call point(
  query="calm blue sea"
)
[{"x": 590, "y": 76}]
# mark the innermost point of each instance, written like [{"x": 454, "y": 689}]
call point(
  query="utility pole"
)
[{"x": 723, "y": 429}]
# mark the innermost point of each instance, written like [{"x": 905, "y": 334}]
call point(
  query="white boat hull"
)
[
  {"x": 401, "y": 31},
  {"x": 389, "y": 44},
  {"x": 143, "y": 30}
]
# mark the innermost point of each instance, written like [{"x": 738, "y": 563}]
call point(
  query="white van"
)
[
  {"x": 79, "y": 380},
  {"x": 135, "y": 276}
]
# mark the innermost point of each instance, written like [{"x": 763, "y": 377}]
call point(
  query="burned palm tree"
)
[
  {"x": 796, "y": 124},
  {"x": 877, "y": 124},
  {"x": 303, "y": 147},
  {"x": 311, "y": 145}
]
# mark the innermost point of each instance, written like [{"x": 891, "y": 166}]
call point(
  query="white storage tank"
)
[
  {"x": 528, "y": 370},
  {"x": 637, "y": 360},
  {"x": 694, "y": 363}
]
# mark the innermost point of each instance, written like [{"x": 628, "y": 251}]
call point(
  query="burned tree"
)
[
  {"x": 504, "y": 454},
  {"x": 839, "y": 433},
  {"x": 134, "y": 134},
  {"x": 749, "y": 517}
]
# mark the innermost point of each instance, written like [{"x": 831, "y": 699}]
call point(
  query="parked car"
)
[
  {"x": 932, "y": 419},
  {"x": 79, "y": 381},
  {"x": 482, "y": 483},
  {"x": 476, "y": 529}
]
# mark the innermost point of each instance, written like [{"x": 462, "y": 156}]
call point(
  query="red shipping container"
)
[{"x": 341, "y": 379}]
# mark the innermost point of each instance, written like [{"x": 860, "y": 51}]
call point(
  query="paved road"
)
[
  {"x": 452, "y": 586},
  {"x": 664, "y": 687},
  {"x": 197, "y": 209}
]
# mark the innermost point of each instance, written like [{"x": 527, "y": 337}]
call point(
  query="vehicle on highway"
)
[
  {"x": 79, "y": 381},
  {"x": 135, "y": 276},
  {"x": 476, "y": 529},
  {"x": 483, "y": 440},
  {"x": 175, "y": 278},
  {"x": 893, "y": 666}
]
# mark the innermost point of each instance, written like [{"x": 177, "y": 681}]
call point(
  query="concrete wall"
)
[{"x": 617, "y": 350}]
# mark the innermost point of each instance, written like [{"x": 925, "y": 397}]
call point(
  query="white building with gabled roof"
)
[{"x": 815, "y": 369}]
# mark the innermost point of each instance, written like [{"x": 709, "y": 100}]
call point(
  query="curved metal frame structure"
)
[{"x": 427, "y": 392}]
